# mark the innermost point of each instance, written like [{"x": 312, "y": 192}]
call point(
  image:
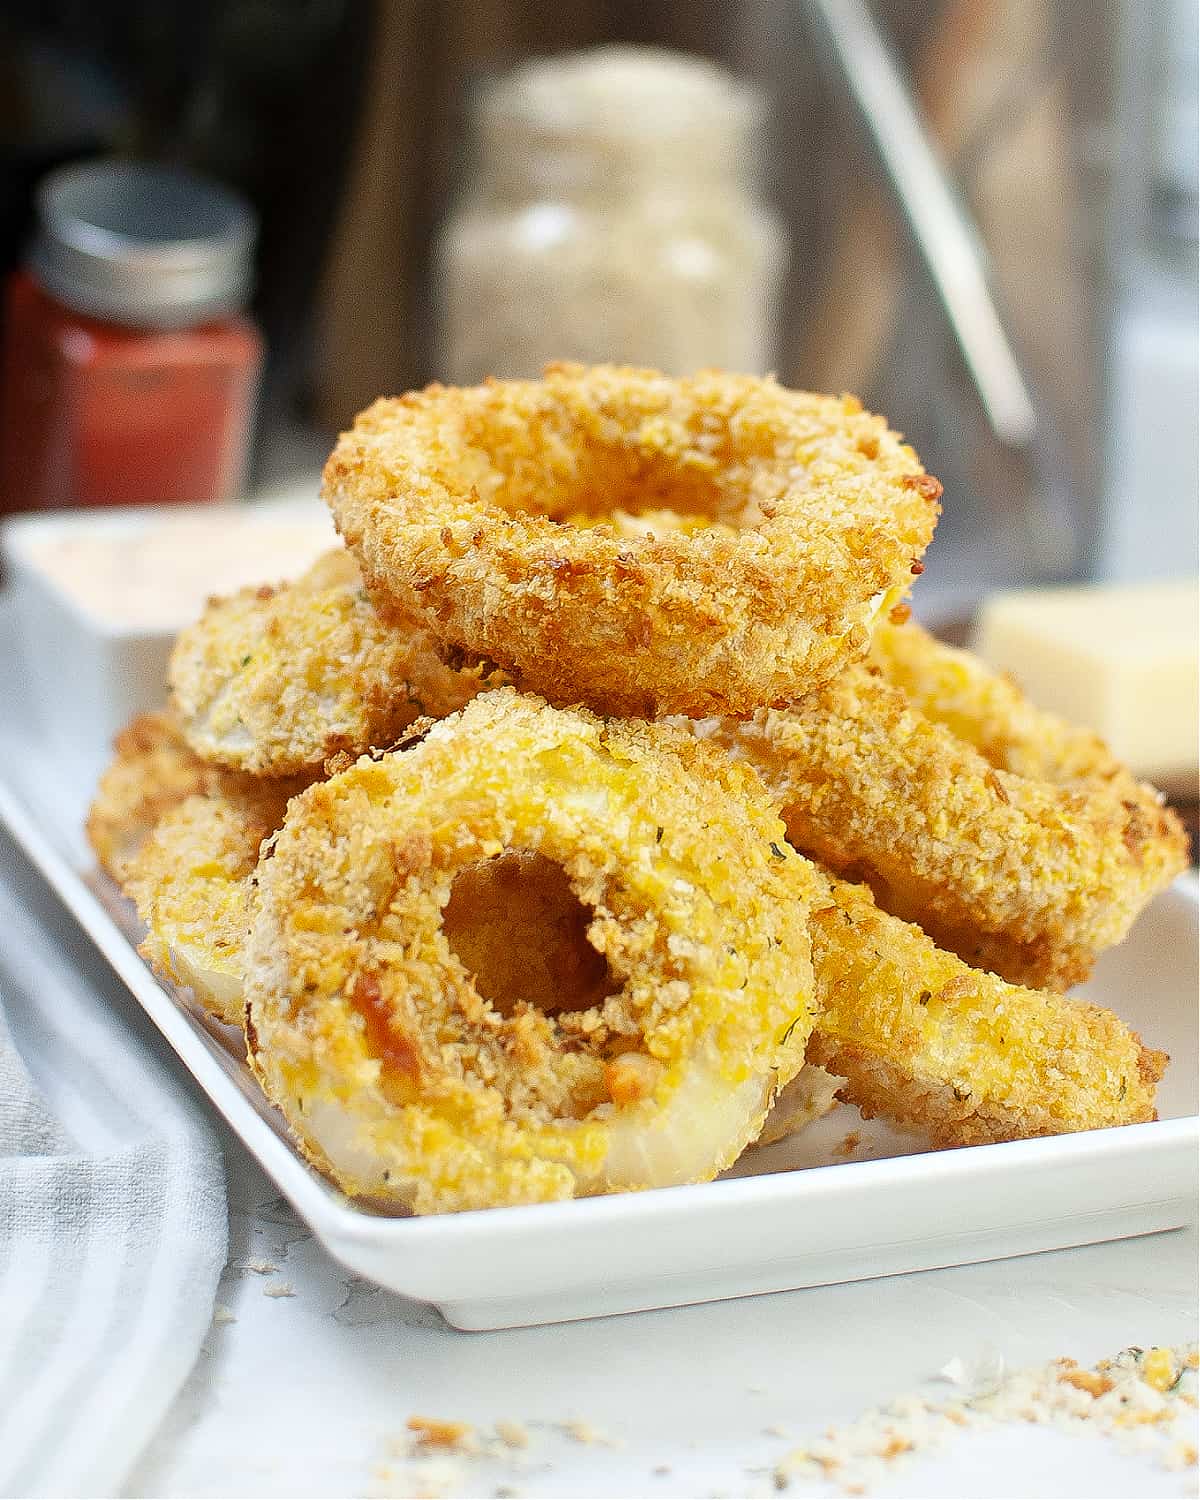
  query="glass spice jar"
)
[
  {"x": 129, "y": 369},
  {"x": 613, "y": 213}
]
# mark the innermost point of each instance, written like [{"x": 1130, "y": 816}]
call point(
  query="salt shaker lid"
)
[{"x": 143, "y": 245}]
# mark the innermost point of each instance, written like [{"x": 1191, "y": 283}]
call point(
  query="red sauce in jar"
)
[
  {"x": 96, "y": 414},
  {"x": 129, "y": 371}
]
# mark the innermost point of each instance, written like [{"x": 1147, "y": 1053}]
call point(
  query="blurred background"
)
[{"x": 978, "y": 215}]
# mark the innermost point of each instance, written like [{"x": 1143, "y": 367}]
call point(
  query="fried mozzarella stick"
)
[
  {"x": 1012, "y": 838},
  {"x": 931, "y": 1043}
]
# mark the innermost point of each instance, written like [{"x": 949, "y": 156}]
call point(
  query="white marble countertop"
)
[{"x": 308, "y": 1378}]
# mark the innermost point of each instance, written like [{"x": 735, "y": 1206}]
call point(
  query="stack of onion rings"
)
[{"x": 526, "y": 953}]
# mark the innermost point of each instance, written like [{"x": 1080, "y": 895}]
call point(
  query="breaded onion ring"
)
[
  {"x": 152, "y": 771},
  {"x": 1010, "y": 837},
  {"x": 957, "y": 1053},
  {"x": 276, "y": 681},
  {"x": 459, "y": 499},
  {"x": 191, "y": 882},
  {"x": 408, "y": 1085},
  {"x": 923, "y": 1038}
]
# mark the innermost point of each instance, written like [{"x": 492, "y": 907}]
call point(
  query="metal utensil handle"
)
[{"x": 940, "y": 224}]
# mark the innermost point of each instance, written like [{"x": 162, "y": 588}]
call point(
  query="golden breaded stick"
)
[
  {"x": 1013, "y": 839},
  {"x": 929, "y": 1042},
  {"x": 275, "y": 681},
  {"x": 191, "y": 884}
]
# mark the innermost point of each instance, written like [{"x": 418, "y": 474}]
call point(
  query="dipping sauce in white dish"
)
[
  {"x": 159, "y": 578},
  {"x": 97, "y": 597}
]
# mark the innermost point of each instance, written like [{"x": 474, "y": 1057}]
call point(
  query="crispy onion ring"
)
[
  {"x": 1011, "y": 838},
  {"x": 920, "y": 1037},
  {"x": 397, "y": 1075},
  {"x": 456, "y": 499},
  {"x": 956, "y": 1053},
  {"x": 274, "y": 681},
  {"x": 181, "y": 838},
  {"x": 152, "y": 770},
  {"x": 192, "y": 884}
]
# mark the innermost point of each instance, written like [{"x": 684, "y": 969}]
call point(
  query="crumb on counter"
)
[
  {"x": 279, "y": 1289},
  {"x": 435, "y": 1432},
  {"x": 1135, "y": 1399}
]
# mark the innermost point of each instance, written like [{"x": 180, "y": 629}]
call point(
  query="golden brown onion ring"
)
[
  {"x": 152, "y": 771},
  {"x": 1010, "y": 837},
  {"x": 921, "y": 1037},
  {"x": 408, "y": 1085},
  {"x": 459, "y": 500},
  {"x": 192, "y": 884},
  {"x": 954, "y": 1052},
  {"x": 274, "y": 681}
]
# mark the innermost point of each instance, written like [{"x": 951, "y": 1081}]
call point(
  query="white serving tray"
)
[{"x": 791, "y": 1215}]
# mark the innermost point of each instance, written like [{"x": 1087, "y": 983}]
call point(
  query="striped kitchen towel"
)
[{"x": 112, "y": 1210}]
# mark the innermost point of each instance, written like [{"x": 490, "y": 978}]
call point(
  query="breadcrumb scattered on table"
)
[
  {"x": 1135, "y": 1399},
  {"x": 436, "y": 1432}
]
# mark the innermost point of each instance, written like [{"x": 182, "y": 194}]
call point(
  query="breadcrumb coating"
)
[
  {"x": 802, "y": 520},
  {"x": 1013, "y": 839},
  {"x": 152, "y": 770},
  {"x": 408, "y": 1085},
  {"x": 192, "y": 884},
  {"x": 274, "y": 681},
  {"x": 181, "y": 838},
  {"x": 958, "y": 1053}
]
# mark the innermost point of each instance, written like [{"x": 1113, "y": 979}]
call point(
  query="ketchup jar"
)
[{"x": 129, "y": 368}]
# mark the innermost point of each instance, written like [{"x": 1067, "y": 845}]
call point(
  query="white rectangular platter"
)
[{"x": 793, "y": 1215}]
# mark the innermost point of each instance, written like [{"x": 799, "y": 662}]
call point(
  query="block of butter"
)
[{"x": 1118, "y": 658}]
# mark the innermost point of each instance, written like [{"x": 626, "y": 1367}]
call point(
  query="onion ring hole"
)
[{"x": 519, "y": 929}]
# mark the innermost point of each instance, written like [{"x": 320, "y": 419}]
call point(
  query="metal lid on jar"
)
[{"x": 142, "y": 245}]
